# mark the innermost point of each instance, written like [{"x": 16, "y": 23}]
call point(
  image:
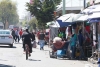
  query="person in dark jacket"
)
[
  {"x": 33, "y": 35},
  {"x": 81, "y": 39},
  {"x": 27, "y": 38},
  {"x": 41, "y": 40},
  {"x": 13, "y": 34}
]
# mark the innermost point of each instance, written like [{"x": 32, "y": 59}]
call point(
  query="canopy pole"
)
[
  {"x": 63, "y": 12},
  {"x": 84, "y": 3}
]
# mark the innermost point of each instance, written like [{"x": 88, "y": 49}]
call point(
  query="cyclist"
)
[{"x": 27, "y": 38}]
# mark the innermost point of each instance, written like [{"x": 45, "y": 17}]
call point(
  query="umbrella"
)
[
  {"x": 62, "y": 24},
  {"x": 83, "y": 18},
  {"x": 95, "y": 17},
  {"x": 73, "y": 18},
  {"x": 91, "y": 9},
  {"x": 64, "y": 17},
  {"x": 94, "y": 20},
  {"x": 54, "y": 24},
  {"x": 59, "y": 24},
  {"x": 49, "y": 23}
]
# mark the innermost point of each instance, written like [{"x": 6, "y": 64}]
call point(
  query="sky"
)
[{"x": 21, "y": 7}]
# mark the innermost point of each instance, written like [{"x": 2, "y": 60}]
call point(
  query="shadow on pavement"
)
[
  {"x": 70, "y": 59},
  {"x": 7, "y": 47},
  {"x": 33, "y": 60},
  {"x": 3, "y": 65}
]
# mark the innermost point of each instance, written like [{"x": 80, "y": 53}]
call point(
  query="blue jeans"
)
[
  {"x": 73, "y": 51},
  {"x": 41, "y": 43}
]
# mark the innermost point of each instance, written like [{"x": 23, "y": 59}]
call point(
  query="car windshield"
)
[{"x": 4, "y": 32}]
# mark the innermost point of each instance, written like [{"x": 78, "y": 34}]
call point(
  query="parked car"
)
[{"x": 6, "y": 38}]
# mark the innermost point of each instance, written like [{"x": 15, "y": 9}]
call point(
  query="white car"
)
[{"x": 6, "y": 38}]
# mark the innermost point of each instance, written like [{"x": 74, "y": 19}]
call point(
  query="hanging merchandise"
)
[
  {"x": 60, "y": 35},
  {"x": 87, "y": 27},
  {"x": 66, "y": 32}
]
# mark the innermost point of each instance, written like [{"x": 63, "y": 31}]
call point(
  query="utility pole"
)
[
  {"x": 99, "y": 44},
  {"x": 84, "y": 6},
  {"x": 63, "y": 12},
  {"x": 84, "y": 3}
]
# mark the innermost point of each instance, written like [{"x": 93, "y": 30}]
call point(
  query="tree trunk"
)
[{"x": 4, "y": 24}]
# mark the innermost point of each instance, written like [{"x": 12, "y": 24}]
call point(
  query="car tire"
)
[{"x": 11, "y": 45}]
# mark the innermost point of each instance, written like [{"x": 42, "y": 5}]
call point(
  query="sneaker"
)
[{"x": 40, "y": 48}]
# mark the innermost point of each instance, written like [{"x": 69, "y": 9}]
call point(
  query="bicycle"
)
[{"x": 27, "y": 51}]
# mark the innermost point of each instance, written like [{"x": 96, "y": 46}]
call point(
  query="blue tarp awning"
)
[
  {"x": 63, "y": 24},
  {"x": 94, "y": 20}
]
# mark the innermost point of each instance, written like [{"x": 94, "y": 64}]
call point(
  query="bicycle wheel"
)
[{"x": 26, "y": 52}]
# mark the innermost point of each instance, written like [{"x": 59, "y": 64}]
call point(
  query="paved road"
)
[{"x": 14, "y": 57}]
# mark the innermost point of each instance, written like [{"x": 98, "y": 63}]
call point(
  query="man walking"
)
[
  {"x": 41, "y": 40},
  {"x": 20, "y": 33},
  {"x": 17, "y": 35},
  {"x": 13, "y": 34}
]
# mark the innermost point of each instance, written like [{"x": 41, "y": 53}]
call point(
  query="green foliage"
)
[
  {"x": 8, "y": 12},
  {"x": 33, "y": 23},
  {"x": 23, "y": 23},
  {"x": 88, "y": 4},
  {"x": 43, "y": 11}
]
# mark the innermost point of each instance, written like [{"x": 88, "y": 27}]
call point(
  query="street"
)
[{"x": 14, "y": 57}]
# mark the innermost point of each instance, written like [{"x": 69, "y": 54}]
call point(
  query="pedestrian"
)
[
  {"x": 41, "y": 40},
  {"x": 80, "y": 39},
  {"x": 13, "y": 34},
  {"x": 33, "y": 35},
  {"x": 33, "y": 38},
  {"x": 17, "y": 35},
  {"x": 20, "y": 33},
  {"x": 27, "y": 38},
  {"x": 73, "y": 45}
]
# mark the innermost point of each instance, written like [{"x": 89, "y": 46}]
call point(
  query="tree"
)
[
  {"x": 43, "y": 10},
  {"x": 33, "y": 23},
  {"x": 8, "y": 12}
]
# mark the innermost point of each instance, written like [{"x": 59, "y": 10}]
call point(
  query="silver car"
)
[{"x": 6, "y": 38}]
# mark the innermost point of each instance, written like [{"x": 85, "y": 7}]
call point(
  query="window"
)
[{"x": 4, "y": 32}]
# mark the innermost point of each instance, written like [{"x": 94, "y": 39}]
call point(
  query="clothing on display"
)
[{"x": 68, "y": 32}]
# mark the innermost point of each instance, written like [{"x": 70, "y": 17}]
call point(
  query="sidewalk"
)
[
  {"x": 88, "y": 63},
  {"x": 91, "y": 60}
]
